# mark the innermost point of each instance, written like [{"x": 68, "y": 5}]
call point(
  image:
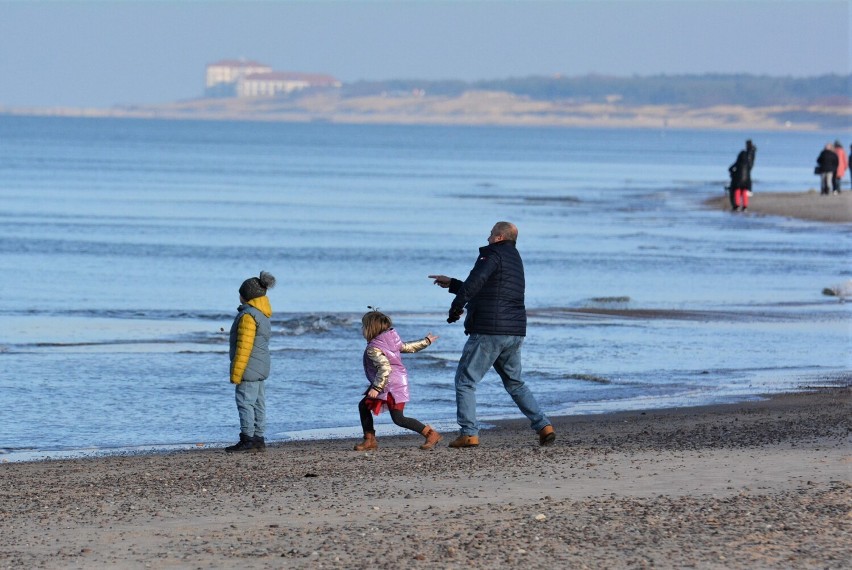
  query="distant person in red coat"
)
[
  {"x": 739, "y": 183},
  {"x": 842, "y": 163}
]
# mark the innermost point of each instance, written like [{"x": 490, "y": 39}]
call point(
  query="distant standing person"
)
[
  {"x": 388, "y": 379},
  {"x": 250, "y": 362},
  {"x": 496, "y": 324},
  {"x": 739, "y": 182},
  {"x": 842, "y": 164},
  {"x": 751, "y": 152},
  {"x": 827, "y": 163}
]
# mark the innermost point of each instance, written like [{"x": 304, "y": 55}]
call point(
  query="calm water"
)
[{"x": 123, "y": 243}]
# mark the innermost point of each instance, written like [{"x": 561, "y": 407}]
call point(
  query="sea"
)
[{"x": 123, "y": 243}]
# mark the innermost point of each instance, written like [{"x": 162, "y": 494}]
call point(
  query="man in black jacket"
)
[
  {"x": 496, "y": 323},
  {"x": 827, "y": 163}
]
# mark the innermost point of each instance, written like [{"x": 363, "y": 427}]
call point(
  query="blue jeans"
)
[
  {"x": 503, "y": 352},
  {"x": 251, "y": 405},
  {"x": 827, "y": 183}
]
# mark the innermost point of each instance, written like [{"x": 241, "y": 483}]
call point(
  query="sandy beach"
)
[
  {"x": 751, "y": 485},
  {"x": 808, "y": 205}
]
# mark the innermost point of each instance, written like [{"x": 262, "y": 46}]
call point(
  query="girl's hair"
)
[{"x": 375, "y": 323}]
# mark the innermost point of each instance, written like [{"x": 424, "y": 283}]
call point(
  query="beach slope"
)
[{"x": 753, "y": 485}]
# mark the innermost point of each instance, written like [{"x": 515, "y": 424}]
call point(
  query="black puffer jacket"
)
[
  {"x": 739, "y": 171},
  {"x": 493, "y": 293},
  {"x": 827, "y": 161}
]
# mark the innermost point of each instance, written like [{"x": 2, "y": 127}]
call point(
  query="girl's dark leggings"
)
[{"x": 397, "y": 416}]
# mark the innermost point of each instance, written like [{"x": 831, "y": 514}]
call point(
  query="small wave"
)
[
  {"x": 552, "y": 199},
  {"x": 555, "y": 377},
  {"x": 841, "y": 290},
  {"x": 137, "y": 342},
  {"x": 744, "y": 315},
  {"x": 130, "y": 314},
  {"x": 622, "y": 299},
  {"x": 98, "y": 343},
  {"x": 307, "y": 324},
  {"x": 5, "y": 450},
  {"x": 588, "y": 378},
  {"x": 288, "y": 323},
  {"x": 437, "y": 359}
]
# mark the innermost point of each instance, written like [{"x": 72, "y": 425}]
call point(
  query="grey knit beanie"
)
[{"x": 254, "y": 287}]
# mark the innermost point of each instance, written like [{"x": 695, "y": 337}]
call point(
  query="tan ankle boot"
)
[
  {"x": 432, "y": 437},
  {"x": 465, "y": 441},
  {"x": 546, "y": 435},
  {"x": 368, "y": 443}
]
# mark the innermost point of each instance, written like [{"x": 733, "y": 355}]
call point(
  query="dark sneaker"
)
[
  {"x": 259, "y": 443},
  {"x": 245, "y": 444}
]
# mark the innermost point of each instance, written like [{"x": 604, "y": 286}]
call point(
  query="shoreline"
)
[
  {"x": 754, "y": 484},
  {"x": 389, "y": 430},
  {"x": 808, "y": 205}
]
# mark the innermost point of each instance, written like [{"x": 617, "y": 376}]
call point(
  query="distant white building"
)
[
  {"x": 273, "y": 83},
  {"x": 222, "y": 77},
  {"x": 241, "y": 78}
]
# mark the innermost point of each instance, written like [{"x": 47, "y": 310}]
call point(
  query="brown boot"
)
[
  {"x": 368, "y": 444},
  {"x": 432, "y": 437},
  {"x": 465, "y": 441},
  {"x": 546, "y": 435}
]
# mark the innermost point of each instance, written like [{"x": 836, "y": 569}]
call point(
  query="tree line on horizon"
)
[{"x": 692, "y": 90}]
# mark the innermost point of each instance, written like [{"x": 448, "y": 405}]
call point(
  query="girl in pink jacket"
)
[{"x": 388, "y": 379}]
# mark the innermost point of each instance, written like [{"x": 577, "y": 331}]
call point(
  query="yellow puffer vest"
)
[{"x": 250, "y": 332}]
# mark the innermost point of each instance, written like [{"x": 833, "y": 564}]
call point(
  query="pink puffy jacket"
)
[{"x": 383, "y": 364}]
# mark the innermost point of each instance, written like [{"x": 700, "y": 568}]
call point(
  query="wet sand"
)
[
  {"x": 808, "y": 205},
  {"x": 752, "y": 485}
]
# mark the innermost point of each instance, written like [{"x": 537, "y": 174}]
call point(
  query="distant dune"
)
[{"x": 470, "y": 108}]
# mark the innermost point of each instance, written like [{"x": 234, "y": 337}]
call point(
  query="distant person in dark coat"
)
[
  {"x": 751, "y": 151},
  {"x": 827, "y": 163},
  {"x": 739, "y": 182}
]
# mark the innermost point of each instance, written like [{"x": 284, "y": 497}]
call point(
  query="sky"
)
[{"x": 106, "y": 53}]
